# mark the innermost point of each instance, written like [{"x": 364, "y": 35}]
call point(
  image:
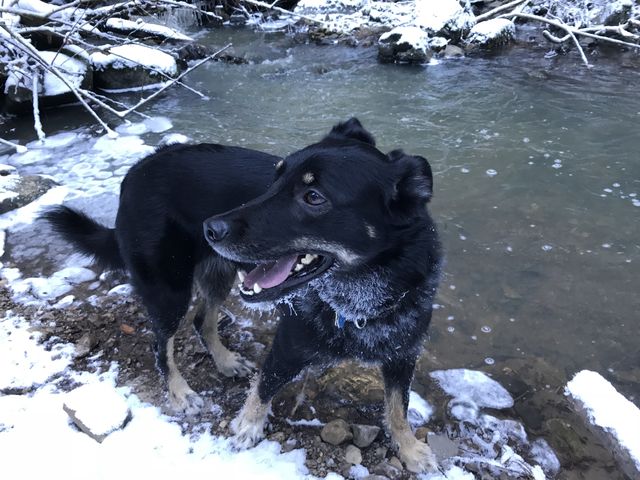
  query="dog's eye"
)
[{"x": 313, "y": 198}]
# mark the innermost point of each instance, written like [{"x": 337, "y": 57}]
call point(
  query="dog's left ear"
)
[
  {"x": 351, "y": 129},
  {"x": 413, "y": 184}
]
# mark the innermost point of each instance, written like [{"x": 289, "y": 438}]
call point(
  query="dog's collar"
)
[{"x": 340, "y": 320}]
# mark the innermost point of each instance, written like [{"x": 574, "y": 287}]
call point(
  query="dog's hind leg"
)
[
  {"x": 416, "y": 455},
  {"x": 215, "y": 276}
]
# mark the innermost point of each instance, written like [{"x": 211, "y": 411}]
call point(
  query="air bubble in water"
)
[{"x": 485, "y": 329}]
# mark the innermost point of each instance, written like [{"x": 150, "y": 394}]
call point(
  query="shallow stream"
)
[{"x": 537, "y": 187}]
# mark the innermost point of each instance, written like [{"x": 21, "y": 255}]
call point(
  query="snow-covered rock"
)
[
  {"x": 404, "y": 45},
  {"x": 97, "y": 409},
  {"x": 17, "y": 191},
  {"x": 612, "y": 416},
  {"x": 131, "y": 66},
  {"x": 52, "y": 90},
  {"x": 492, "y": 33},
  {"x": 475, "y": 386},
  {"x": 438, "y": 15},
  {"x": 140, "y": 28}
]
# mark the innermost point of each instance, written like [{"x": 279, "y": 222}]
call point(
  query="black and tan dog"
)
[{"x": 341, "y": 241}]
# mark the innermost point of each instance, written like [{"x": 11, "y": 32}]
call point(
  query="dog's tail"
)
[{"x": 86, "y": 235}]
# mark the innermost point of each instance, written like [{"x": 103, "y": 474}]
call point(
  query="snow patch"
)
[
  {"x": 132, "y": 56},
  {"x": 120, "y": 24},
  {"x": 608, "y": 409},
  {"x": 474, "y": 386},
  {"x": 98, "y": 406},
  {"x": 419, "y": 411}
]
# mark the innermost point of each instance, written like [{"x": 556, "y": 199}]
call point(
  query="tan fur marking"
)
[
  {"x": 416, "y": 455},
  {"x": 228, "y": 363},
  {"x": 181, "y": 396},
  {"x": 308, "y": 178},
  {"x": 248, "y": 426}
]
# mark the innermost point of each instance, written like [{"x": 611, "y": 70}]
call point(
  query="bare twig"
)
[
  {"x": 124, "y": 113},
  {"x": 501, "y": 8},
  {"x": 19, "y": 148},
  {"x": 37, "y": 123},
  {"x": 568, "y": 28}
]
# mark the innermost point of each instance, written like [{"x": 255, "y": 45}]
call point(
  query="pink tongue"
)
[{"x": 270, "y": 274}]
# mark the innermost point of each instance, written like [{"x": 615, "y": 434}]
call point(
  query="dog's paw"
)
[
  {"x": 232, "y": 364},
  {"x": 418, "y": 457},
  {"x": 247, "y": 434},
  {"x": 185, "y": 401}
]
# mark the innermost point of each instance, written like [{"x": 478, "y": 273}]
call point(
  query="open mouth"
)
[{"x": 273, "y": 279}]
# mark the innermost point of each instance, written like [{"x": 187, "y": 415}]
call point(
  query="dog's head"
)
[{"x": 335, "y": 205}]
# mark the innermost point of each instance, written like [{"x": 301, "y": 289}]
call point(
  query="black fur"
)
[{"x": 362, "y": 211}]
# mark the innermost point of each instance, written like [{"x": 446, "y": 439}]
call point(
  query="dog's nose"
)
[{"x": 216, "y": 230}]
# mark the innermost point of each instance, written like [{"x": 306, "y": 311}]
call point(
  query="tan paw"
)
[
  {"x": 247, "y": 433},
  {"x": 186, "y": 401},
  {"x": 232, "y": 364},
  {"x": 418, "y": 457}
]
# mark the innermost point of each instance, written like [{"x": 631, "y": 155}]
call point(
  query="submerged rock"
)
[
  {"x": 132, "y": 66},
  {"x": 492, "y": 33},
  {"x": 404, "y": 45}
]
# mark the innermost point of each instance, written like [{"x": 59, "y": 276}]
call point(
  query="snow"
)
[
  {"x": 413, "y": 36},
  {"x": 433, "y": 15},
  {"x": 474, "y": 386},
  {"x": 139, "y": 25},
  {"x": 419, "y": 411},
  {"x": 151, "y": 445},
  {"x": 132, "y": 56},
  {"x": 74, "y": 71},
  {"x": 7, "y": 185},
  {"x": 24, "y": 362},
  {"x": 98, "y": 406},
  {"x": 490, "y": 30},
  {"x": 453, "y": 473},
  {"x": 608, "y": 409}
]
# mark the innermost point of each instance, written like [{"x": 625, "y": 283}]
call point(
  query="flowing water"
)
[{"x": 537, "y": 187}]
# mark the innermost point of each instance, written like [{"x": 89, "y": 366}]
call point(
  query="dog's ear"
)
[
  {"x": 413, "y": 184},
  {"x": 351, "y": 129}
]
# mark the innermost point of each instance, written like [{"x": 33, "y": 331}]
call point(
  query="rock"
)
[
  {"x": 364, "y": 435},
  {"x": 381, "y": 451},
  {"x": 132, "y": 66},
  {"x": 443, "y": 17},
  {"x": 51, "y": 90},
  {"x": 453, "y": 51},
  {"x": 85, "y": 344},
  {"x": 443, "y": 447},
  {"x": 17, "y": 191},
  {"x": 375, "y": 477},
  {"x": 395, "y": 462},
  {"x": 492, "y": 33},
  {"x": 438, "y": 44},
  {"x": 97, "y": 409},
  {"x": 387, "y": 470},
  {"x": 404, "y": 45},
  {"x": 336, "y": 432},
  {"x": 421, "y": 433},
  {"x": 353, "y": 455}
]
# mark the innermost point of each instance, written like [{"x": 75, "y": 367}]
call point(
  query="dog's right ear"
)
[{"x": 351, "y": 129}]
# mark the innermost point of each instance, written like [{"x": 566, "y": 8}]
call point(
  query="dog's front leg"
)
[
  {"x": 284, "y": 362},
  {"x": 416, "y": 455}
]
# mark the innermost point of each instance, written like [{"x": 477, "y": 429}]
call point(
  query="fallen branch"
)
[
  {"x": 501, "y": 8},
  {"x": 568, "y": 28}
]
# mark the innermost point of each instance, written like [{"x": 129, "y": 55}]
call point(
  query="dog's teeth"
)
[
  {"x": 298, "y": 267},
  {"x": 242, "y": 275},
  {"x": 307, "y": 259},
  {"x": 257, "y": 288}
]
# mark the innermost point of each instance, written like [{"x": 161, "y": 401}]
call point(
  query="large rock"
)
[
  {"x": 52, "y": 91},
  {"x": 132, "y": 66},
  {"x": 404, "y": 45},
  {"x": 364, "y": 435},
  {"x": 17, "y": 191},
  {"x": 493, "y": 33}
]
